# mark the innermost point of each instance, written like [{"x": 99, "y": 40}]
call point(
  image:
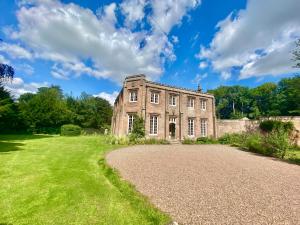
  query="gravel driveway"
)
[{"x": 213, "y": 184}]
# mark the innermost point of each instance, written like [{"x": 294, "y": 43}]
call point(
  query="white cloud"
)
[
  {"x": 15, "y": 51},
  {"x": 18, "y": 87},
  {"x": 26, "y": 68},
  {"x": 168, "y": 13},
  {"x": 225, "y": 75},
  {"x": 70, "y": 35},
  {"x": 133, "y": 11},
  {"x": 4, "y": 60},
  {"x": 258, "y": 39},
  {"x": 198, "y": 78},
  {"x": 109, "y": 97},
  {"x": 202, "y": 65}
]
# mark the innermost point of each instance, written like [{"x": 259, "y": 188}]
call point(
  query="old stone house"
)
[{"x": 169, "y": 112}]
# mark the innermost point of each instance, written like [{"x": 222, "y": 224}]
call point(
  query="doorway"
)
[{"x": 172, "y": 129}]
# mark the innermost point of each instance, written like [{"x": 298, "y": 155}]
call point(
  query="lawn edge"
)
[{"x": 137, "y": 200}]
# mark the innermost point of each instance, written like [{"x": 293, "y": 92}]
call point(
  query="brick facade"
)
[{"x": 166, "y": 113}]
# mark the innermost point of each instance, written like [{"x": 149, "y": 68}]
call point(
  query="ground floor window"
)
[
  {"x": 153, "y": 124},
  {"x": 130, "y": 123},
  {"x": 203, "y": 127},
  {"x": 191, "y": 127}
]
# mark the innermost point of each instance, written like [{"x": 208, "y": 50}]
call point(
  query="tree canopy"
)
[{"x": 269, "y": 99}]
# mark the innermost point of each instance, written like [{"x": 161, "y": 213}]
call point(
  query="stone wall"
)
[{"x": 246, "y": 125}]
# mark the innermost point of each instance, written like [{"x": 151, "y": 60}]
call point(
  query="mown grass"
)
[{"x": 65, "y": 180}]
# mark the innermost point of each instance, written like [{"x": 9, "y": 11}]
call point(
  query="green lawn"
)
[{"x": 64, "y": 180}]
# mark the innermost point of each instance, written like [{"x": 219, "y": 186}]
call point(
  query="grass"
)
[{"x": 65, "y": 180}]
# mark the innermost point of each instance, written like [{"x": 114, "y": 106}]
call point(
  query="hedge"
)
[{"x": 70, "y": 130}]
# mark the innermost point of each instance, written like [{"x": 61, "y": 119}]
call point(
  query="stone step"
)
[{"x": 174, "y": 142}]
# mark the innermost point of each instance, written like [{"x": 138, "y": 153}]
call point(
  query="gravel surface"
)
[{"x": 213, "y": 184}]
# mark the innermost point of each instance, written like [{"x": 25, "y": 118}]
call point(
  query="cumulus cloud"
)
[
  {"x": 15, "y": 51},
  {"x": 133, "y": 11},
  {"x": 18, "y": 87},
  {"x": 110, "y": 97},
  {"x": 258, "y": 40},
  {"x": 78, "y": 41},
  {"x": 168, "y": 13}
]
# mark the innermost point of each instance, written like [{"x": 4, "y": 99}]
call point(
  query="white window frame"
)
[
  {"x": 133, "y": 96},
  {"x": 153, "y": 129},
  {"x": 172, "y": 100},
  {"x": 203, "y": 104},
  {"x": 203, "y": 127},
  {"x": 191, "y": 127},
  {"x": 130, "y": 123},
  {"x": 172, "y": 120},
  {"x": 191, "y": 102},
  {"x": 154, "y": 98}
]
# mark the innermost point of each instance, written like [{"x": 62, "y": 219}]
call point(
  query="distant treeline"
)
[
  {"x": 48, "y": 109},
  {"x": 269, "y": 99}
]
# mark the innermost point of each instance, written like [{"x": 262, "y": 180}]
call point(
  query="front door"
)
[{"x": 172, "y": 129}]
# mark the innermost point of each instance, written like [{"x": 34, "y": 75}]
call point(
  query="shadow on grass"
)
[
  {"x": 11, "y": 143},
  {"x": 22, "y": 137},
  {"x": 10, "y": 147}
]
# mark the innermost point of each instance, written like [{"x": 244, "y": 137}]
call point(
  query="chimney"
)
[{"x": 199, "y": 89}]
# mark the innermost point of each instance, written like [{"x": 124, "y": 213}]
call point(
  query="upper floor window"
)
[
  {"x": 133, "y": 96},
  {"x": 191, "y": 127},
  {"x": 154, "y": 97},
  {"x": 191, "y": 102},
  {"x": 153, "y": 124},
  {"x": 172, "y": 100},
  {"x": 130, "y": 123},
  {"x": 203, "y": 104},
  {"x": 203, "y": 127}
]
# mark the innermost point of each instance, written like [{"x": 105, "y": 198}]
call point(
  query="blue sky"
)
[{"x": 91, "y": 46}]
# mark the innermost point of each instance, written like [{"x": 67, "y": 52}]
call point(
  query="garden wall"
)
[{"x": 245, "y": 125}]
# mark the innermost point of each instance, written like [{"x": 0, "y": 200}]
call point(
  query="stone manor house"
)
[{"x": 169, "y": 112}]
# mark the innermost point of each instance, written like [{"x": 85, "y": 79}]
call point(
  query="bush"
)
[
  {"x": 233, "y": 139},
  {"x": 271, "y": 125},
  {"x": 188, "y": 141},
  {"x": 138, "y": 129},
  {"x": 70, "y": 130},
  {"x": 277, "y": 143},
  {"x": 206, "y": 140}
]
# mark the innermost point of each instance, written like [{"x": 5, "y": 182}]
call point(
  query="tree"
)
[
  {"x": 90, "y": 112},
  {"x": 231, "y": 102},
  {"x": 296, "y": 54},
  {"x": 9, "y": 113},
  {"x": 6, "y": 72},
  {"x": 44, "y": 111},
  {"x": 289, "y": 96},
  {"x": 264, "y": 97}
]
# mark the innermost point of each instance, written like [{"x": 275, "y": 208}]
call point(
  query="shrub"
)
[
  {"x": 206, "y": 140},
  {"x": 233, "y": 139},
  {"x": 188, "y": 141},
  {"x": 153, "y": 141},
  {"x": 271, "y": 125},
  {"x": 277, "y": 143},
  {"x": 70, "y": 130},
  {"x": 138, "y": 129}
]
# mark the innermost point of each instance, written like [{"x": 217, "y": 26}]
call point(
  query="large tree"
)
[
  {"x": 44, "y": 110},
  {"x": 90, "y": 112}
]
